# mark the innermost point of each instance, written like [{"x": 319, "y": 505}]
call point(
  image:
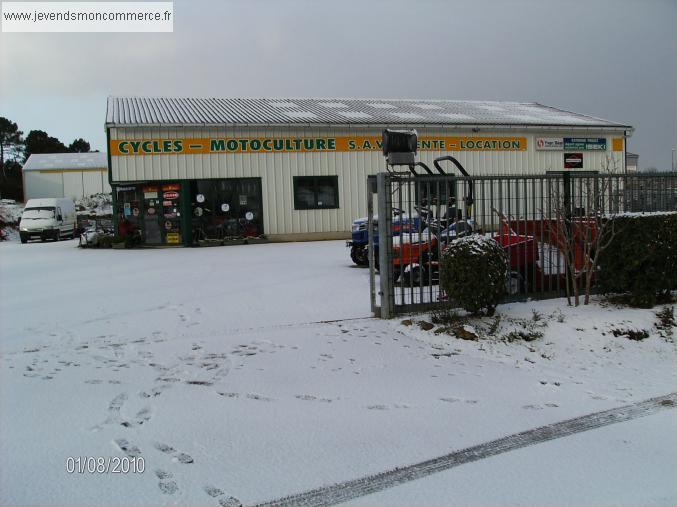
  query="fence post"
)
[
  {"x": 371, "y": 189},
  {"x": 385, "y": 244}
]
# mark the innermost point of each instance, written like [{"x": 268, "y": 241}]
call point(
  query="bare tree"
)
[{"x": 584, "y": 227}]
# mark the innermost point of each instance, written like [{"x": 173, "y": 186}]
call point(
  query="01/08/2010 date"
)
[{"x": 105, "y": 465}]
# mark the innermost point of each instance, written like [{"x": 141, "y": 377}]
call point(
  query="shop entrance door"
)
[
  {"x": 162, "y": 217},
  {"x": 226, "y": 209}
]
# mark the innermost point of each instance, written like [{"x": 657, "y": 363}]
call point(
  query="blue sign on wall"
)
[{"x": 585, "y": 143}]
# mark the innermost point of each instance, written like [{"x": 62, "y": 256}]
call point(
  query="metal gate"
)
[{"x": 538, "y": 220}]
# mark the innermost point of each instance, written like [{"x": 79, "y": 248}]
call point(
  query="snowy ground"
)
[{"x": 218, "y": 367}]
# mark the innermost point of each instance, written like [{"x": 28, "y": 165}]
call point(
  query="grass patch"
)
[
  {"x": 631, "y": 334},
  {"x": 522, "y": 335}
]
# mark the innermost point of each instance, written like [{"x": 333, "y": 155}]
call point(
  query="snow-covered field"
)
[{"x": 255, "y": 372}]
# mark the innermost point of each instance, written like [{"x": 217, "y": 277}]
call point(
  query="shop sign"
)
[
  {"x": 122, "y": 147},
  {"x": 249, "y": 215},
  {"x": 171, "y": 195},
  {"x": 150, "y": 189},
  {"x": 125, "y": 189},
  {"x": 243, "y": 200},
  {"x": 150, "y": 211},
  {"x": 150, "y": 195},
  {"x": 168, "y": 225},
  {"x": 225, "y": 207},
  {"x": 573, "y": 161},
  {"x": 135, "y": 211},
  {"x": 173, "y": 237},
  {"x": 171, "y": 186},
  {"x": 585, "y": 143},
  {"x": 200, "y": 198},
  {"x": 549, "y": 143}
]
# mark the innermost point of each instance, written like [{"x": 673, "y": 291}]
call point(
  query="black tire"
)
[
  {"x": 359, "y": 255},
  {"x": 414, "y": 275},
  {"x": 515, "y": 284},
  {"x": 24, "y": 239}
]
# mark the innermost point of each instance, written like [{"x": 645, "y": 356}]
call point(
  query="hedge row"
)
[{"x": 641, "y": 258}]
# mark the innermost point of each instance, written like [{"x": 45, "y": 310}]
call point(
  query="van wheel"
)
[
  {"x": 57, "y": 235},
  {"x": 24, "y": 239}
]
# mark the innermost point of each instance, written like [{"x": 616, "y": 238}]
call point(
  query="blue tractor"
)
[{"x": 360, "y": 235}]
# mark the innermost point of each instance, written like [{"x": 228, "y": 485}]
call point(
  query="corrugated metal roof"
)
[
  {"x": 162, "y": 111},
  {"x": 42, "y": 161}
]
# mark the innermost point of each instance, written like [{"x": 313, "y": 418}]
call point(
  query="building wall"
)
[
  {"x": 278, "y": 169},
  {"x": 65, "y": 183},
  {"x": 42, "y": 184}
]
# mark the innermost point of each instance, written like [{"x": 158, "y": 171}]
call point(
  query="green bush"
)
[
  {"x": 473, "y": 272},
  {"x": 641, "y": 258}
]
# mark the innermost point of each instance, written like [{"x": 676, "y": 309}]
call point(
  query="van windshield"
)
[{"x": 41, "y": 212}]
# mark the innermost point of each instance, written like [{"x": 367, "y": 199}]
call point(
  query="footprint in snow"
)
[
  {"x": 451, "y": 399},
  {"x": 540, "y": 407},
  {"x": 142, "y": 417},
  {"x": 224, "y": 499},
  {"x": 310, "y": 397},
  {"x": 166, "y": 485},
  {"x": 130, "y": 450},
  {"x": 181, "y": 457},
  {"x": 258, "y": 397}
]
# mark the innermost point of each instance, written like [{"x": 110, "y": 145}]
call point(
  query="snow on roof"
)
[
  {"x": 163, "y": 111},
  {"x": 43, "y": 161}
]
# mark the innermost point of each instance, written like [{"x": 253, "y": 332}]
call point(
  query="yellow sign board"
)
[
  {"x": 195, "y": 146},
  {"x": 173, "y": 237}
]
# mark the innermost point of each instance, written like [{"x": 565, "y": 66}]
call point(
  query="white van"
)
[{"x": 52, "y": 218}]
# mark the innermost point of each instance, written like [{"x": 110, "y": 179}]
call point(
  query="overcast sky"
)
[{"x": 616, "y": 59}]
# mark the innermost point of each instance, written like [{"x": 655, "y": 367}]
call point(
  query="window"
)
[{"x": 315, "y": 192}]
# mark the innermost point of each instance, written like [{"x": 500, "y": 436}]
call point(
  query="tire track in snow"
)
[{"x": 345, "y": 491}]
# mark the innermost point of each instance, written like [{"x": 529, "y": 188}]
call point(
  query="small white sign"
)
[
  {"x": 249, "y": 215},
  {"x": 200, "y": 198},
  {"x": 549, "y": 143},
  {"x": 225, "y": 207}
]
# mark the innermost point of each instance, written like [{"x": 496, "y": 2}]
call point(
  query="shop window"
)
[{"x": 316, "y": 192}]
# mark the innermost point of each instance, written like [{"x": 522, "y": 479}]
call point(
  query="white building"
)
[
  {"x": 71, "y": 175},
  {"x": 297, "y": 168}
]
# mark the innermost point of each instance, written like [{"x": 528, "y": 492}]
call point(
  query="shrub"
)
[
  {"x": 473, "y": 273},
  {"x": 641, "y": 257}
]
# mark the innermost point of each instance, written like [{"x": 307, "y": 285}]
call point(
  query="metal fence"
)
[{"x": 544, "y": 223}]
